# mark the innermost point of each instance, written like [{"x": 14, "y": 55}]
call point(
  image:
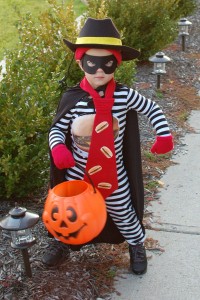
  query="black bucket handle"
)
[{"x": 88, "y": 176}]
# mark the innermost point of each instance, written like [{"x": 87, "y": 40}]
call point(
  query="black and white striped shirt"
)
[{"x": 125, "y": 100}]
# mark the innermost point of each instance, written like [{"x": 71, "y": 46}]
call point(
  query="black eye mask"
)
[{"x": 91, "y": 64}]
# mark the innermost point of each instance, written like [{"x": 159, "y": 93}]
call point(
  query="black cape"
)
[{"x": 132, "y": 162}]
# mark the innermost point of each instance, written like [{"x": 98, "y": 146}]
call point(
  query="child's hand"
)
[
  {"x": 163, "y": 144},
  {"x": 62, "y": 157}
]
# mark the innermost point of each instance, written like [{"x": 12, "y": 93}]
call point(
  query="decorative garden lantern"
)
[
  {"x": 184, "y": 30},
  {"x": 19, "y": 222},
  {"x": 159, "y": 60}
]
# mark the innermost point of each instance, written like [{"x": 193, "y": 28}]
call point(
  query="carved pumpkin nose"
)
[{"x": 63, "y": 224}]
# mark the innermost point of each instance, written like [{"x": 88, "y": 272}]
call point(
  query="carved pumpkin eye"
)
[
  {"x": 53, "y": 212},
  {"x": 71, "y": 214}
]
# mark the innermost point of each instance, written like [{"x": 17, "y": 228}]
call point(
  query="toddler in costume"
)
[{"x": 96, "y": 126}]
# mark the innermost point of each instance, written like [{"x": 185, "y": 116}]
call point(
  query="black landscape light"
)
[
  {"x": 19, "y": 222},
  {"x": 159, "y": 60},
  {"x": 184, "y": 30}
]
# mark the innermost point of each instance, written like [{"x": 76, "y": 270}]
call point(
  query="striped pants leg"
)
[{"x": 124, "y": 216}]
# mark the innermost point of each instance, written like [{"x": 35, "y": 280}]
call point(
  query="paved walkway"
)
[{"x": 174, "y": 274}]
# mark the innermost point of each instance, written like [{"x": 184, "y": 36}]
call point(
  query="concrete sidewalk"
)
[{"x": 174, "y": 274}]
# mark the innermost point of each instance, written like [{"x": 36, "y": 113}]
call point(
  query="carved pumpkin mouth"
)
[{"x": 72, "y": 234}]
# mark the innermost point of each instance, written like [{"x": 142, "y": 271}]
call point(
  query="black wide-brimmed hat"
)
[{"x": 102, "y": 34}]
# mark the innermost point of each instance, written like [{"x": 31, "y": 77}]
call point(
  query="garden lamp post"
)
[
  {"x": 159, "y": 60},
  {"x": 19, "y": 222},
  {"x": 183, "y": 30}
]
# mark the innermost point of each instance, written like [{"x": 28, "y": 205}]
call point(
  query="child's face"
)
[{"x": 96, "y": 76}]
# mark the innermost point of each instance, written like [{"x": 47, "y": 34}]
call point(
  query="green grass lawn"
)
[{"x": 9, "y": 10}]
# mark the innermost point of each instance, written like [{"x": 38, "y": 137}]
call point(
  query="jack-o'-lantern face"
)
[
  {"x": 68, "y": 224},
  {"x": 74, "y": 218}
]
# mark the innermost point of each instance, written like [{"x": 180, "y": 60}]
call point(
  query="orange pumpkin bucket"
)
[{"x": 74, "y": 212}]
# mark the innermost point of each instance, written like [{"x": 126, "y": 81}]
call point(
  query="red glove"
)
[
  {"x": 163, "y": 144},
  {"x": 62, "y": 157}
]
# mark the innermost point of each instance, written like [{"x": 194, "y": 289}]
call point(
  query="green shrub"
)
[
  {"x": 29, "y": 94},
  {"x": 126, "y": 73},
  {"x": 148, "y": 25},
  {"x": 185, "y": 8}
]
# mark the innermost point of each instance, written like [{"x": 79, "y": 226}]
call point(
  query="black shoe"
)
[
  {"x": 55, "y": 254},
  {"x": 138, "y": 259}
]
